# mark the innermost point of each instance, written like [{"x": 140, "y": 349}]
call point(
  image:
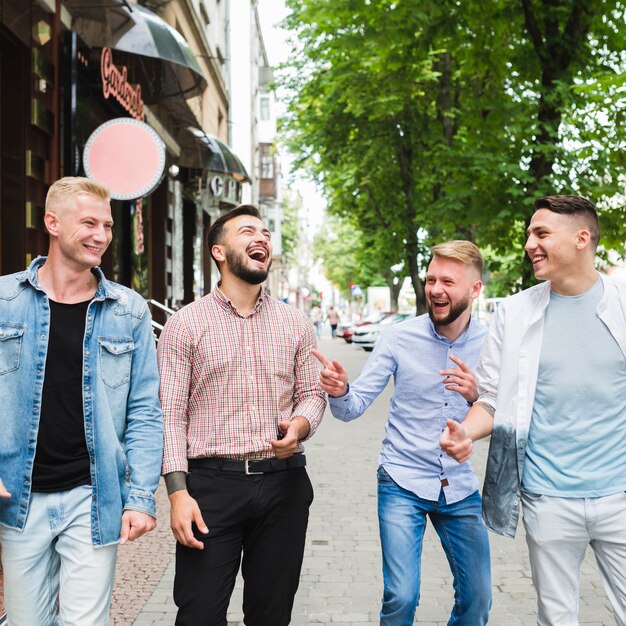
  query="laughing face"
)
[
  {"x": 450, "y": 288},
  {"x": 247, "y": 249},
  {"x": 551, "y": 244}
]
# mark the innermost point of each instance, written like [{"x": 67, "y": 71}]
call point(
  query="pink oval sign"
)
[{"x": 127, "y": 156}]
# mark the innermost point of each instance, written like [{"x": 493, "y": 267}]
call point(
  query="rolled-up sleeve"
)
[{"x": 309, "y": 398}]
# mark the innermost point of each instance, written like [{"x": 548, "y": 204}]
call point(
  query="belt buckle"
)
[{"x": 247, "y": 468}]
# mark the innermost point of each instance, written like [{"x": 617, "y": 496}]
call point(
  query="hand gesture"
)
[
  {"x": 135, "y": 524},
  {"x": 461, "y": 379},
  {"x": 3, "y": 490},
  {"x": 455, "y": 442},
  {"x": 184, "y": 512},
  {"x": 333, "y": 378},
  {"x": 290, "y": 433}
]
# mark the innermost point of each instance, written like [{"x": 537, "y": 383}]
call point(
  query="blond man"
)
[
  {"x": 82, "y": 432},
  {"x": 430, "y": 358}
]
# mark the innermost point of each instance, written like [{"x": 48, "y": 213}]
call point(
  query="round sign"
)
[{"x": 127, "y": 156}]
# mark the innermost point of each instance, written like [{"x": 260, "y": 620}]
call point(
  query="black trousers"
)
[{"x": 264, "y": 517}]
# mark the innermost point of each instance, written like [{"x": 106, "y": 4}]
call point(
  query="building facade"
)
[{"x": 70, "y": 68}]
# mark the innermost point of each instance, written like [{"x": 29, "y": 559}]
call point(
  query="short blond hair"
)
[
  {"x": 72, "y": 186},
  {"x": 460, "y": 250}
]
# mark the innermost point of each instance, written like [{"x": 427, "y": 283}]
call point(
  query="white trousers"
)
[
  {"x": 52, "y": 564},
  {"x": 558, "y": 531}
]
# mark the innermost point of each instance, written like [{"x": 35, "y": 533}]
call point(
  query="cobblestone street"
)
[{"x": 341, "y": 577}]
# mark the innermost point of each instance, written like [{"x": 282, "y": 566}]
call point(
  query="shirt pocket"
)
[
  {"x": 278, "y": 359},
  {"x": 116, "y": 356},
  {"x": 10, "y": 346}
]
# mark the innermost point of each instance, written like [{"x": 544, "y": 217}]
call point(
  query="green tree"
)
[
  {"x": 289, "y": 230},
  {"x": 435, "y": 120}
]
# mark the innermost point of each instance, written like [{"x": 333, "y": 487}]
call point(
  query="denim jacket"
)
[
  {"x": 507, "y": 379},
  {"x": 123, "y": 421}
]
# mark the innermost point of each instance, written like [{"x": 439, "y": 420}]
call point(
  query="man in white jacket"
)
[{"x": 552, "y": 392}]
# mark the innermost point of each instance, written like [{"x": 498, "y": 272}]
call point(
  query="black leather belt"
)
[{"x": 249, "y": 466}]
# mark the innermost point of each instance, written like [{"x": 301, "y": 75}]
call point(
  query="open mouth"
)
[
  {"x": 537, "y": 258},
  {"x": 258, "y": 254},
  {"x": 439, "y": 305},
  {"x": 94, "y": 249}
]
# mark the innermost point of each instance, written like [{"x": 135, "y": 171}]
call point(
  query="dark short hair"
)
[
  {"x": 576, "y": 206},
  {"x": 216, "y": 230}
]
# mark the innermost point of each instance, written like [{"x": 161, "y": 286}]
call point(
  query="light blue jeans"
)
[
  {"x": 558, "y": 531},
  {"x": 402, "y": 519},
  {"x": 54, "y": 553}
]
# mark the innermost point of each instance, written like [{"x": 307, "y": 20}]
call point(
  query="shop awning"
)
[
  {"x": 218, "y": 157},
  {"x": 151, "y": 47}
]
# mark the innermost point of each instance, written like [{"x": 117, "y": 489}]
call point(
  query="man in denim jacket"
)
[{"x": 82, "y": 435}]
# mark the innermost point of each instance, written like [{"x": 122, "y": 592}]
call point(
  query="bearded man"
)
[
  {"x": 239, "y": 394},
  {"x": 415, "y": 480}
]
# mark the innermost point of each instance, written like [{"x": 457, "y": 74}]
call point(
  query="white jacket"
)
[{"x": 507, "y": 378}]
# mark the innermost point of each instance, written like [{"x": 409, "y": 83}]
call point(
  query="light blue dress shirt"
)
[{"x": 413, "y": 353}]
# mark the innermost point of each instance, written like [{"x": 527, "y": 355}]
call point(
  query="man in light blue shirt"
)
[{"x": 430, "y": 358}]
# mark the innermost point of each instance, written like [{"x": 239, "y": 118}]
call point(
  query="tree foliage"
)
[{"x": 433, "y": 120}]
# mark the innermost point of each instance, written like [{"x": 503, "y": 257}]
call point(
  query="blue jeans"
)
[
  {"x": 402, "y": 519},
  {"x": 54, "y": 559}
]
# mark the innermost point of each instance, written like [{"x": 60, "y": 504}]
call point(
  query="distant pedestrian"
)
[
  {"x": 240, "y": 395},
  {"x": 81, "y": 433},
  {"x": 333, "y": 319},
  {"x": 552, "y": 383},
  {"x": 415, "y": 480},
  {"x": 317, "y": 317}
]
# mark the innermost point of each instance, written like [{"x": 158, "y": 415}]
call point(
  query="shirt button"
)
[{"x": 445, "y": 404}]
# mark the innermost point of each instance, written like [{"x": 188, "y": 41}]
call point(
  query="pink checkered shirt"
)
[{"x": 227, "y": 380}]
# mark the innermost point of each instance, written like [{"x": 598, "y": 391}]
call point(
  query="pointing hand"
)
[
  {"x": 461, "y": 379},
  {"x": 455, "y": 442},
  {"x": 333, "y": 377}
]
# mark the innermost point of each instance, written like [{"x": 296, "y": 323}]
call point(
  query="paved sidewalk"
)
[{"x": 341, "y": 579}]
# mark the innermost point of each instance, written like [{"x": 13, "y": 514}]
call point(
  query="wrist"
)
[{"x": 175, "y": 482}]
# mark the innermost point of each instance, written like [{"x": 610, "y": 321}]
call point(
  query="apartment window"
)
[
  {"x": 267, "y": 166},
  {"x": 265, "y": 108},
  {"x": 204, "y": 14}
]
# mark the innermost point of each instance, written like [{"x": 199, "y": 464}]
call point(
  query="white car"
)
[{"x": 366, "y": 336}]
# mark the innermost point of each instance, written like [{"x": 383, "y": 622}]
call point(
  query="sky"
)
[{"x": 270, "y": 13}]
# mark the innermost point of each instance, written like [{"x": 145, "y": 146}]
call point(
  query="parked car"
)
[
  {"x": 366, "y": 336},
  {"x": 347, "y": 330}
]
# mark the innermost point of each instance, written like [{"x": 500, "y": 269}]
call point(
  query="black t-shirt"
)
[{"x": 62, "y": 459}]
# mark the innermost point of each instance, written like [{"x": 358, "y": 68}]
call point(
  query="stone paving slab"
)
[{"x": 341, "y": 579}]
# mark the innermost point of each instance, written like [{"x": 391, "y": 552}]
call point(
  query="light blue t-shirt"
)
[{"x": 577, "y": 439}]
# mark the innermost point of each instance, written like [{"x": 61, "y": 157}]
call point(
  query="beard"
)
[
  {"x": 237, "y": 265},
  {"x": 455, "y": 312}
]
